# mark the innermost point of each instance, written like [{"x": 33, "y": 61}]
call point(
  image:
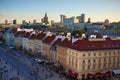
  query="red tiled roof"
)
[
  {"x": 66, "y": 43},
  {"x": 49, "y": 39},
  {"x": 95, "y": 45},
  {"x": 58, "y": 41},
  {"x": 33, "y": 36},
  {"x": 40, "y": 36},
  {"x": 27, "y": 34}
]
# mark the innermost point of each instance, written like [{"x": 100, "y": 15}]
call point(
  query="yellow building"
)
[
  {"x": 90, "y": 58},
  {"x": 38, "y": 48},
  {"x": 31, "y": 43},
  {"x": 47, "y": 45}
]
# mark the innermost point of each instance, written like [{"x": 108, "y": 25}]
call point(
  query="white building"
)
[{"x": 70, "y": 21}]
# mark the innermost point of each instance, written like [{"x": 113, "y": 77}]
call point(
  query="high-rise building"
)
[
  {"x": 62, "y": 18},
  {"x": 14, "y": 21},
  {"x": 42, "y": 20},
  {"x": 6, "y": 21},
  {"x": 89, "y": 20},
  {"x": 24, "y": 22},
  {"x": 106, "y": 22},
  {"x": 79, "y": 18},
  {"x": 52, "y": 22},
  {"x": 46, "y": 19},
  {"x": 82, "y": 18},
  {"x": 34, "y": 21}
]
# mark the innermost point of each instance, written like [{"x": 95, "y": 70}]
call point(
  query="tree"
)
[{"x": 79, "y": 32}]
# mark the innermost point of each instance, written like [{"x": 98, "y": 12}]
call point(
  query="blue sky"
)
[{"x": 97, "y": 10}]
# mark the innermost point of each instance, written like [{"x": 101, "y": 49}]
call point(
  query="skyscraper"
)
[
  {"x": 34, "y": 21},
  {"x": 14, "y": 21},
  {"x": 6, "y": 21},
  {"x": 62, "y": 17},
  {"x": 82, "y": 18},
  {"x": 46, "y": 19}
]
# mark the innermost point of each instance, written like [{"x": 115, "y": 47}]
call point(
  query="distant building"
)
[
  {"x": 52, "y": 22},
  {"x": 70, "y": 21},
  {"x": 106, "y": 23},
  {"x": 89, "y": 20},
  {"x": 34, "y": 21},
  {"x": 6, "y": 21},
  {"x": 46, "y": 19},
  {"x": 15, "y": 21},
  {"x": 82, "y": 18},
  {"x": 24, "y": 22},
  {"x": 42, "y": 20},
  {"x": 62, "y": 18}
]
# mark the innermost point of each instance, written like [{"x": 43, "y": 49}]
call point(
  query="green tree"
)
[{"x": 79, "y": 32}]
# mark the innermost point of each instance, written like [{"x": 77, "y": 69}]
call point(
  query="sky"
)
[{"x": 29, "y": 10}]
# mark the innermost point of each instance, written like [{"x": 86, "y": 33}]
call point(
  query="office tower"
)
[
  {"x": 52, "y": 22},
  {"x": 6, "y": 21},
  {"x": 24, "y": 22},
  {"x": 42, "y": 20},
  {"x": 62, "y": 17},
  {"x": 82, "y": 18},
  {"x": 89, "y": 20},
  {"x": 106, "y": 22},
  {"x": 34, "y": 21},
  {"x": 14, "y": 21},
  {"x": 79, "y": 18},
  {"x": 46, "y": 19}
]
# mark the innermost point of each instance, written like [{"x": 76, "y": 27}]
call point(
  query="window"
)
[
  {"x": 83, "y": 67},
  {"x": 118, "y": 53},
  {"x": 94, "y": 54},
  {"x": 89, "y": 54},
  {"x": 76, "y": 63},
  {"x": 88, "y": 67},
  {"x": 114, "y": 53},
  {"x": 114, "y": 59},
  {"x": 88, "y": 61},
  {"x": 117, "y": 59},
  {"x": 99, "y": 60},
  {"x": 83, "y": 61},
  {"x": 94, "y": 60},
  {"x": 99, "y": 66},
  {"x": 105, "y": 59},
  {"x": 93, "y": 66},
  {"x": 99, "y": 54},
  {"x": 105, "y": 53},
  {"x": 83, "y": 55},
  {"x": 109, "y": 59},
  {"x": 109, "y": 53}
]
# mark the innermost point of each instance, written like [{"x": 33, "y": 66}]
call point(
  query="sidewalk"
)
[
  {"x": 42, "y": 71},
  {"x": 7, "y": 72}
]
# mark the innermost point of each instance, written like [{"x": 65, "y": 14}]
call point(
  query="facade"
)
[
  {"x": 31, "y": 43},
  {"x": 25, "y": 42},
  {"x": 90, "y": 58},
  {"x": 46, "y": 46},
  {"x": 62, "y": 52},
  {"x": 38, "y": 47}
]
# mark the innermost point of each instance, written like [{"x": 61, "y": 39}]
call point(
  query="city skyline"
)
[{"x": 29, "y": 10}]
